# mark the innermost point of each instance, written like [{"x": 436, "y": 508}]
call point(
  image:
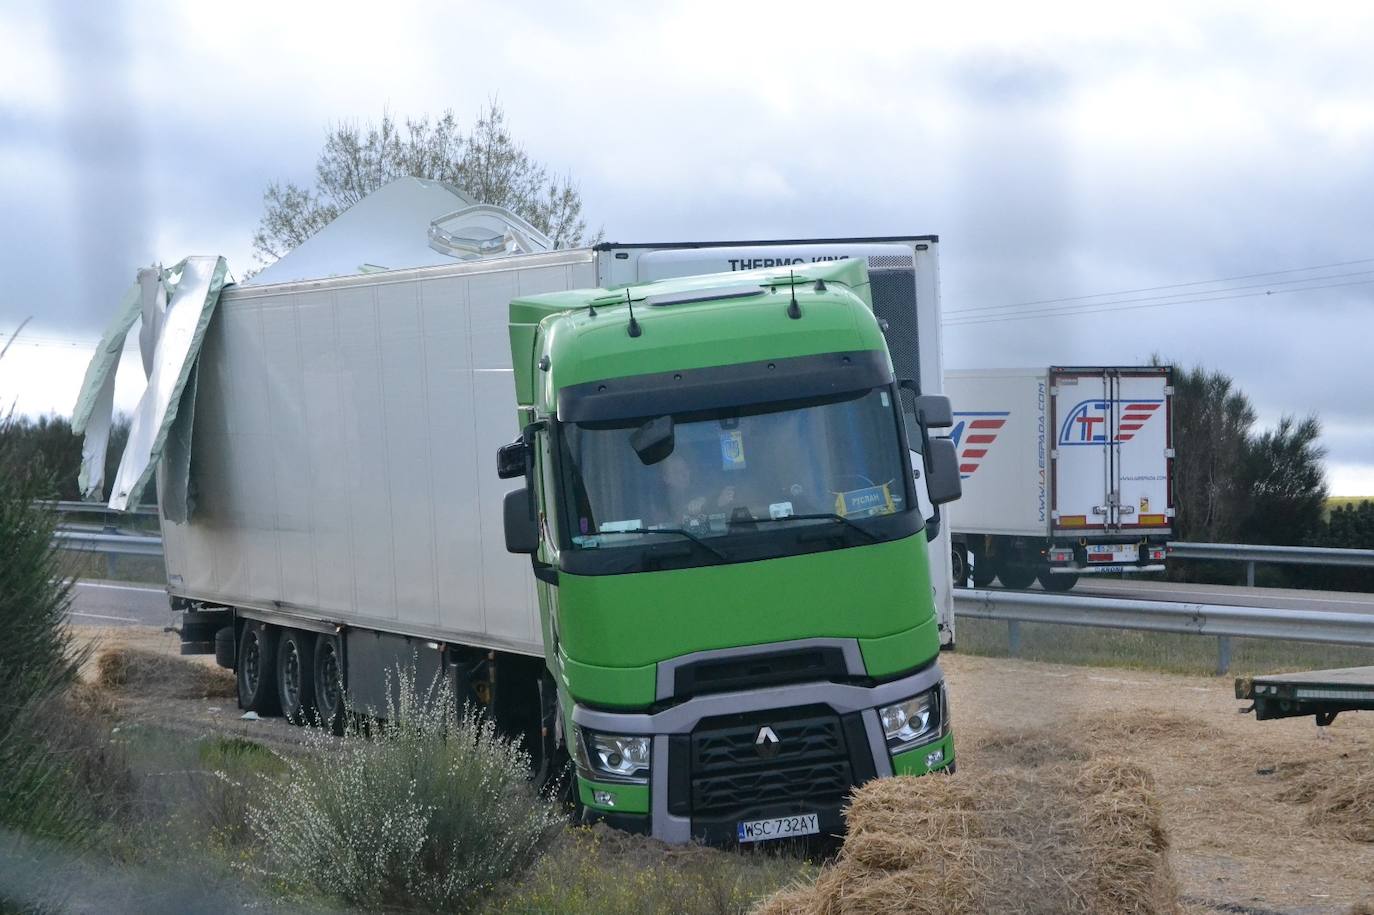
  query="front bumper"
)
[{"x": 831, "y": 742}]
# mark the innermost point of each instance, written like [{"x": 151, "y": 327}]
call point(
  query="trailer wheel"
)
[
  {"x": 257, "y": 671},
  {"x": 959, "y": 564},
  {"x": 329, "y": 688},
  {"x": 1016, "y": 575},
  {"x": 984, "y": 570},
  {"x": 1051, "y": 582},
  {"x": 296, "y": 676}
]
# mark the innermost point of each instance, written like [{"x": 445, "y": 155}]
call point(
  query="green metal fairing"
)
[
  {"x": 615, "y": 628},
  {"x": 582, "y": 346}
]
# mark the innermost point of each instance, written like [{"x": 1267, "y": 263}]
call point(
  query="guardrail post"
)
[
  {"x": 1223, "y": 654},
  {"x": 1014, "y": 638},
  {"x": 1250, "y": 574}
]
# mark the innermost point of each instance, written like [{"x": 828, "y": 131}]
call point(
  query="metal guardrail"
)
[
  {"x": 1251, "y": 553},
  {"x": 108, "y": 542},
  {"x": 97, "y": 508},
  {"x": 1224, "y": 622}
]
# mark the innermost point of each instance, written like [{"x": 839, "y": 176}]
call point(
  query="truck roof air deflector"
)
[{"x": 704, "y": 295}]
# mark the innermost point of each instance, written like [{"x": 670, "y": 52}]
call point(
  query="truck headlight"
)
[
  {"x": 613, "y": 757},
  {"x": 911, "y": 721}
]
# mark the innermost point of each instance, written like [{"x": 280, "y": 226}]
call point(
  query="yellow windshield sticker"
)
[{"x": 732, "y": 449}]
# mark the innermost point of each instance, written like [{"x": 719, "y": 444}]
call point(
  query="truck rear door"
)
[{"x": 1112, "y": 461}]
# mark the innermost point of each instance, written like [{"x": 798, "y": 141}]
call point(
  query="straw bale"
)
[
  {"x": 151, "y": 673},
  {"x": 1123, "y": 834},
  {"x": 1339, "y": 795},
  {"x": 1067, "y": 837}
]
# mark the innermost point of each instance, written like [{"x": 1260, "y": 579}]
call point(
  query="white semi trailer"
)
[
  {"x": 713, "y": 551},
  {"x": 344, "y": 442},
  {"x": 1066, "y": 471}
]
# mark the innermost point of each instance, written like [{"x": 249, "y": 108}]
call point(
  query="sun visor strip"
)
[{"x": 717, "y": 387}]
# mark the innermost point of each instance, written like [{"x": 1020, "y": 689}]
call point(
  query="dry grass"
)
[
  {"x": 1059, "y": 837},
  {"x": 1141, "y": 727},
  {"x": 1338, "y": 794},
  {"x": 151, "y": 674},
  {"x": 601, "y": 871}
]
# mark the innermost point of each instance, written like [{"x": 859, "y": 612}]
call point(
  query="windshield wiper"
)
[
  {"x": 672, "y": 530},
  {"x": 819, "y": 516}
]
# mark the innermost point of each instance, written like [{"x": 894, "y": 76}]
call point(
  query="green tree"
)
[
  {"x": 47, "y": 449},
  {"x": 487, "y": 163},
  {"x": 1212, "y": 420},
  {"x": 1285, "y": 483}
]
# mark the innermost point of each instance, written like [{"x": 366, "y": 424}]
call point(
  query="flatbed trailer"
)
[{"x": 1321, "y": 693}]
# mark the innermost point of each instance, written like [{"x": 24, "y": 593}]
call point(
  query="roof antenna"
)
[
  {"x": 591, "y": 308},
  {"x": 634, "y": 325},
  {"x": 793, "y": 309}
]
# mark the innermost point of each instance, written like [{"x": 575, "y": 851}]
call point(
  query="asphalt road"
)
[
  {"x": 118, "y": 603},
  {"x": 1236, "y": 596}
]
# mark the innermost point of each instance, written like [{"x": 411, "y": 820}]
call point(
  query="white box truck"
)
[{"x": 1066, "y": 471}]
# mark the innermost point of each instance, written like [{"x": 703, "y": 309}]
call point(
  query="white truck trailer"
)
[
  {"x": 1066, "y": 471},
  {"x": 336, "y": 486}
]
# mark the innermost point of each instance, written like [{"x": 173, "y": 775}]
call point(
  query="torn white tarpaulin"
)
[
  {"x": 195, "y": 286},
  {"x": 94, "y": 406}
]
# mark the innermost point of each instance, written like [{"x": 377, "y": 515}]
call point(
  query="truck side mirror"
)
[
  {"x": 942, "y": 472},
  {"x": 522, "y": 528},
  {"x": 512, "y": 459},
  {"x": 934, "y": 410}
]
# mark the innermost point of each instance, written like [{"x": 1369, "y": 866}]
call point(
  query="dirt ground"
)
[
  {"x": 1241, "y": 841},
  {"x": 217, "y": 714},
  {"x": 1237, "y": 847}
]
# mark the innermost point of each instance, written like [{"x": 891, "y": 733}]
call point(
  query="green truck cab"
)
[{"x": 730, "y": 543}]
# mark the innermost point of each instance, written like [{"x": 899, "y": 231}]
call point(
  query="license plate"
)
[
  {"x": 803, "y": 824},
  {"x": 1109, "y": 568},
  {"x": 1112, "y": 554}
]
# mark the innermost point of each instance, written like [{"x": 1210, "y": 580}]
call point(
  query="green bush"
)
[
  {"x": 37, "y": 661},
  {"x": 431, "y": 809}
]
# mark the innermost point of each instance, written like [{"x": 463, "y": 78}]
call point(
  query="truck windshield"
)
[{"x": 735, "y": 471}]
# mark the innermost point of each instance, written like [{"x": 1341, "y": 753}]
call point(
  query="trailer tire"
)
[
  {"x": 257, "y": 668},
  {"x": 329, "y": 684},
  {"x": 1057, "y": 583},
  {"x": 984, "y": 570},
  {"x": 1016, "y": 575},
  {"x": 959, "y": 566},
  {"x": 296, "y": 675}
]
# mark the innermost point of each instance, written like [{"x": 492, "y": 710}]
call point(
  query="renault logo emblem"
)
[{"x": 766, "y": 743}]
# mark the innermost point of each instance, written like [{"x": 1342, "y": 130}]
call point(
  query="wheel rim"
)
[
  {"x": 291, "y": 674},
  {"x": 329, "y": 688},
  {"x": 960, "y": 574},
  {"x": 252, "y": 662}
]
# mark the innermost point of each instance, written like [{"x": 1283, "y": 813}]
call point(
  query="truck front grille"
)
[
  {"x": 821, "y": 783},
  {"x": 733, "y": 770}
]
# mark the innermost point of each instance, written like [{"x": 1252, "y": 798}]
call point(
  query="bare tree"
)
[{"x": 487, "y": 164}]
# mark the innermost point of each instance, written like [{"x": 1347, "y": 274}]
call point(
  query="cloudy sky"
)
[{"x": 1059, "y": 153}]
